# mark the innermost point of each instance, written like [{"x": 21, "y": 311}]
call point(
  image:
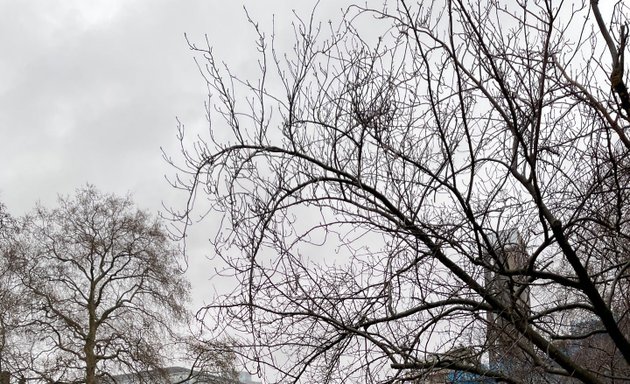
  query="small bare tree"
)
[
  {"x": 438, "y": 188},
  {"x": 105, "y": 294}
]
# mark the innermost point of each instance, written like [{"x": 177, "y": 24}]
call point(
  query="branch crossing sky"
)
[{"x": 90, "y": 91}]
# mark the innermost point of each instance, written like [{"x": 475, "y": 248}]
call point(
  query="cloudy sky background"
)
[{"x": 90, "y": 92}]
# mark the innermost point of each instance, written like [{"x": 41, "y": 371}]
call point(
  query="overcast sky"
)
[{"x": 90, "y": 89}]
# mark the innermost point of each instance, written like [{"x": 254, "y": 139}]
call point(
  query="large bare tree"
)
[
  {"x": 425, "y": 189},
  {"x": 11, "y": 300},
  {"x": 104, "y": 291}
]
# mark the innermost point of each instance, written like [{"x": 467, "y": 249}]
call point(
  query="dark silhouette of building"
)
[{"x": 506, "y": 347}]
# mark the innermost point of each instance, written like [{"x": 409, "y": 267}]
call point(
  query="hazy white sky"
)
[{"x": 90, "y": 91}]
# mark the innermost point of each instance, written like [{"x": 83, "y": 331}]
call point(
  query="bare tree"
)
[
  {"x": 210, "y": 360},
  {"x": 10, "y": 299},
  {"x": 437, "y": 188},
  {"x": 105, "y": 293}
]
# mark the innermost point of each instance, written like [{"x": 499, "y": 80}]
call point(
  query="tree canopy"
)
[
  {"x": 424, "y": 189},
  {"x": 101, "y": 288}
]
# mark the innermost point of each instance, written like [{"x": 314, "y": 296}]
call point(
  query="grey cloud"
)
[{"x": 89, "y": 93}]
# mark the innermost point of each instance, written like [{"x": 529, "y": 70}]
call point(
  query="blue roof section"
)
[{"x": 459, "y": 377}]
